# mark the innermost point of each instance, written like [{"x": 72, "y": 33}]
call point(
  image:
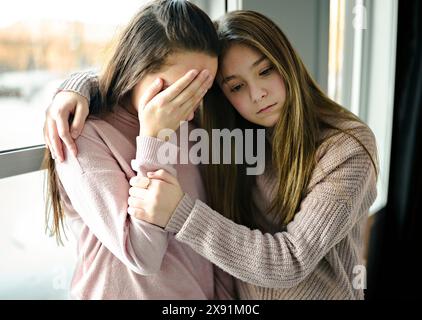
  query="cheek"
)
[
  {"x": 280, "y": 87},
  {"x": 238, "y": 103}
]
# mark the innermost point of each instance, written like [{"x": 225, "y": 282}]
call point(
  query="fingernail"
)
[
  {"x": 206, "y": 74},
  {"x": 145, "y": 182},
  {"x": 74, "y": 134},
  {"x": 139, "y": 179}
]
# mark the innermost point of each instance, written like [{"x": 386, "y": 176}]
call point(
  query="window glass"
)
[{"x": 41, "y": 43}]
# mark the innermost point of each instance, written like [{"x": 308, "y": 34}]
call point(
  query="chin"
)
[{"x": 270, "y": 122}]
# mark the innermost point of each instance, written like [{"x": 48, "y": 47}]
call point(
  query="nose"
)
[{"x": 258, "y": 93}]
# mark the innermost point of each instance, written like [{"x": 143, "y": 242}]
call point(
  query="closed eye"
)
[
  {"x": 266, "y": 71},
  {"x": 236, "y": 88}
]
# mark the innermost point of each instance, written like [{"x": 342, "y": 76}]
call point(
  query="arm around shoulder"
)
[
  {"x": 82, "y": 83},
  {"x": 343, "y": 188}
]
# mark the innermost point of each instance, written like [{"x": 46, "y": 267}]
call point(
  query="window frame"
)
[
  {"x": 369, "y": 63},
  {"x": 22, "y": 160}
]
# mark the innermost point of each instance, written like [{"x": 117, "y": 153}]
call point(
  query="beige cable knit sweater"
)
[{"x": 319, "y": 254}]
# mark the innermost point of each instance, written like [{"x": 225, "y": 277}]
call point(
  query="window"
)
[
  {"x": 39, "y": 47},
  {"x": 362, "y": 57}
]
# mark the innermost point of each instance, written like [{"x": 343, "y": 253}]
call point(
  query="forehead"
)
[
  {"x": 178, "y": 63},
  {"x": 239, "y": 57}
]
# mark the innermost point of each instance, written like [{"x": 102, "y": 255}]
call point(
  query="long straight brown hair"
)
[
  {"x": 295, "y": 138},
  {"x": 157, "y": 30}
]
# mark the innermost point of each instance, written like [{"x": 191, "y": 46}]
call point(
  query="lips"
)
[{"x": 266, "y": 108}]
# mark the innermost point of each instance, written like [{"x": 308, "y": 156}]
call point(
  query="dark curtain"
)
[{"x": 394, "y": 270}]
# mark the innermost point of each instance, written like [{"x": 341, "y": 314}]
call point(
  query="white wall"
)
[
  {"x": 305, "y": 23},
  {"x": 32, "y": 266}
]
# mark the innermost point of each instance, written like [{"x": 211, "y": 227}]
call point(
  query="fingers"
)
[
  {"x": 138, "y": 213},
  {"x": 139, "y": 182},
  {"x": 56, "y": 127},
  {"x": 81, "y": 113},
  {"x": 190, "y": 105},
  {"x": 198, "y": 86},
  {"x": 164, "y": 176},
  {"x": 136, "y": 208},
  {"x": 136, "y": 203},
  {"x": 176, "y": 88},
  {"x": 137, "y": 196},
  {"x": 191, "y": 116},
  {"x": 62, "y": 123},
  {"x": 151, "y": 92},
  {"x": 55, "y": 142},
  {"x": 138, "y": 192}
]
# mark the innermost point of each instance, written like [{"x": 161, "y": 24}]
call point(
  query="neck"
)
[
  {"x": 127, "y": 104},
  {"x": 269, "y": 133}
]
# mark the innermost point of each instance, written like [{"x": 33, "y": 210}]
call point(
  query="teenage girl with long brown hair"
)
[{"x": 120, "y": 256}]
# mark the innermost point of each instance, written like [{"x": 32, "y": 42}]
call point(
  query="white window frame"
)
[
  {"x": 369, "y": 63},
  {"x": 233, "y": 5}
]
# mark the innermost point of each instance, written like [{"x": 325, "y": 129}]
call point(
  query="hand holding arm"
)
[{"x": 154, "y": 202}]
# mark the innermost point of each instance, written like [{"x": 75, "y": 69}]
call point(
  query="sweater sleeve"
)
[
  {"x": 149, "y": 157},
  {"x": 98, "y": 190},
  {"x": 224, "y": 286},
  {"x": 334, "y": 204},
  {"x": 82, "y": 83}
]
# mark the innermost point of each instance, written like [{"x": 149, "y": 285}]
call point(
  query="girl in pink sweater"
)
[
  {"x": 296, "y": 231},
  {"x": 120, "y": 256}
]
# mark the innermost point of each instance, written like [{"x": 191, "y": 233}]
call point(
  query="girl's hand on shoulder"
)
[
  {"x": 155, "y": 198},
  {"x": 158, "y": 110},
  {"x": 56, "y": 124}
]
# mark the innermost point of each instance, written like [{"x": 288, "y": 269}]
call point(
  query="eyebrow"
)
[{"x": 231, "y": 77}]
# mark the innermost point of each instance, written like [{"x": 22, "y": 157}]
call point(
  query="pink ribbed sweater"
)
[
  {"x": 319, "y": 255},
  {"x": 119, "y": 256}
]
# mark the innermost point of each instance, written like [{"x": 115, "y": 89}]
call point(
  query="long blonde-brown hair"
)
[
  {"x": 160, "y": 28},
  {"x": 295, "y": 137}
]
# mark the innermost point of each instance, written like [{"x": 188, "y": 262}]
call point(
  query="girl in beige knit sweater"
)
[{"x": 296, "y": 231}]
